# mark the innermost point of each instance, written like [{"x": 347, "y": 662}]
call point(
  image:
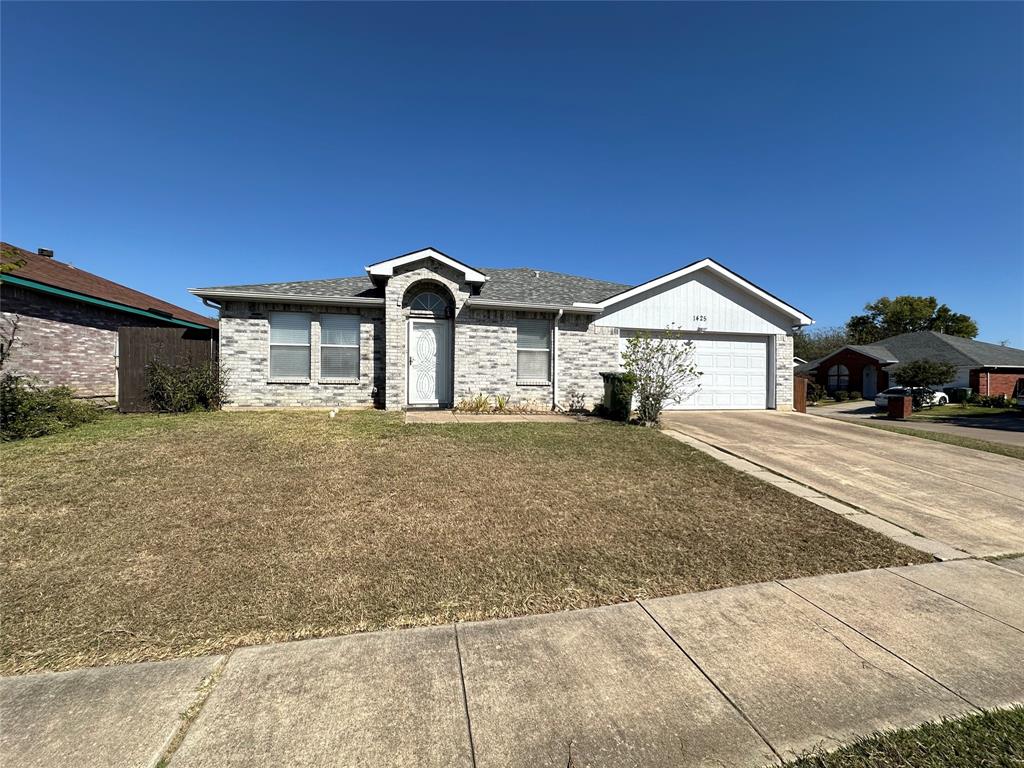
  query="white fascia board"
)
[
  {"x": 476, "y": 301},
  {"x": 283, "y": 298},
  {"x": 718, "y": 269},
  {"x": 387, "y": 268}
]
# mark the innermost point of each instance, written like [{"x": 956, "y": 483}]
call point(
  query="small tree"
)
[
  {"x": 8, "y": 336},
  {"x": 923, "y": 373},
  {"x": 663, "y": 372}
]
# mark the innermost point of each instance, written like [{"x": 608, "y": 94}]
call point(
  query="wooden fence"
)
[{"x": 137, "y": 346}]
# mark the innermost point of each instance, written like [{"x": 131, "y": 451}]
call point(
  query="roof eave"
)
[
  {"x": 582, "y": 309},
  {"x": 285, "y": 298}
]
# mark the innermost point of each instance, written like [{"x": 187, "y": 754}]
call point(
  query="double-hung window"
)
[
  {"x": 533, "y": 351},
  {"x": 289, "y": 345},
  {"x": 339, "y": 346}
]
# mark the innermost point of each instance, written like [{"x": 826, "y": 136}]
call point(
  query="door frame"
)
[{"x": 444, "y": 399}]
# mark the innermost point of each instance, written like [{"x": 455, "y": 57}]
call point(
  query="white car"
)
[{"x": 936, "y": 398}]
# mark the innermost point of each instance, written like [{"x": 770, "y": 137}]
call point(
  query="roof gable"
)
[
  {"x": 713, "y": 266},
  {"x": 386, "y": 268}
]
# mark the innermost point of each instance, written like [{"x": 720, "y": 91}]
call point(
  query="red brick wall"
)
[
  {"x": 855, "y": 364},
  {"x": 65, "y": 342},
  {"x": 1001, "y": 383}
]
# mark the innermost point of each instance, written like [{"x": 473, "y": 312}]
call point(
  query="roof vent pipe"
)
[{"x": 47, "y": 252}]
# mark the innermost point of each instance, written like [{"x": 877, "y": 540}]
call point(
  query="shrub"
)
[
  {"x": 855, "y": 395},
  {"x": 183, "y": 388},
  {"x": 663, "y": 371},
  {"x": 30, "y": 411},
  {"x": 841, "y": 395},
  {"x": 475, "y": 404},
  {"x": 815, "y": 392},
  {"x": 577, "y": 402}
]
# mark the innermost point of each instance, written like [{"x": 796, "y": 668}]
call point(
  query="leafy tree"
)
[
  {"x": 924, "y": 374},
  {"x": 906, "y": 314},
  {"x": 815, "y": 343},
  {"x": 663, "y": 371}
]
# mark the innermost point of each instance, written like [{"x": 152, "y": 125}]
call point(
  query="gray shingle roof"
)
[
  {"x": 523, "y": 285},
  {"x": 932, "y": 345}
]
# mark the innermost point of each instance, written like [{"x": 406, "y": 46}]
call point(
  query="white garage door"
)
[{"x": 734, "y": 372}]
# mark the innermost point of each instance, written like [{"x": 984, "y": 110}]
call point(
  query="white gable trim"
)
[
  {"x": 387, "y": 268},
  {"x": 713, "y": 266}
]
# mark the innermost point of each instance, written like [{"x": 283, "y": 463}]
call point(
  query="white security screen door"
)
[{"x": 430, "y": 360}]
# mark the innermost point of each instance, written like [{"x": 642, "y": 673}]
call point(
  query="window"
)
[
  {"x": 429, "y": 302},
  {"x": 533, "y": 350},
  {"x": 289, "y": 345},
  {"x": 339, "y": 346},
  {"x": 838, "y": 378}
]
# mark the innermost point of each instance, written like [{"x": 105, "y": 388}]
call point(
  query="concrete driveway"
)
[{"x": 970, "y": 500}]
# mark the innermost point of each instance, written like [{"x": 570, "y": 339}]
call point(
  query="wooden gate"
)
[
  {"x": 137, "y": 346},
  {"x": 800, "y": 384}
]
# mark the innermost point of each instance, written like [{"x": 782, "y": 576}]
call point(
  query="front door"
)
[
  {"x": 430, "y": 362},
  {"x": 869, "y": 382}
]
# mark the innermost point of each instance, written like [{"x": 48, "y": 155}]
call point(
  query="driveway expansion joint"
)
[
  {"x": 465, "y": 698},
  {"x": 190, "y": 715}
]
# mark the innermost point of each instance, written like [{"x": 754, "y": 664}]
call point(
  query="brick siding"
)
[
  {"x": 62, "y": 342},
  {"x": 991, "y": 383}
]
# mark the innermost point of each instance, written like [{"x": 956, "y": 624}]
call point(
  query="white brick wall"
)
[
  {"x": 784, "y": 372},
  {"x": 245, "y": 355}
]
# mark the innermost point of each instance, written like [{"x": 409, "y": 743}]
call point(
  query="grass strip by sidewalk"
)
[
  {"x": 941, "y": 437},
  {"x": 991, "y": 739}
]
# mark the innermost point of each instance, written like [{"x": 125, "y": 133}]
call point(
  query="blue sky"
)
[{"x": 832, "y": 153}]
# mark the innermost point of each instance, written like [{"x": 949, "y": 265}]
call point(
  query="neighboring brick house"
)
[
  {"x": 426, "y": 330},
  {"x": 68, "y": 321},
  {"x": 988, "y": 369}
]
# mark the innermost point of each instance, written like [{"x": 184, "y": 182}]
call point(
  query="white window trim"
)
[
  {"x": 270, "y": 351},
  {"x": 357, "y": 347},
  {"x": 520, "y": 381}
]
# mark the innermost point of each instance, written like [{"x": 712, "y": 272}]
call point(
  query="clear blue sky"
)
[{"x": 810, "y": 147}]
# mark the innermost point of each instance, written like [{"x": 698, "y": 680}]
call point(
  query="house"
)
[
  {"x": 988, "y": 369},
  {"x": 426, "y": 330},
  {"x": 68, "y": 321}
]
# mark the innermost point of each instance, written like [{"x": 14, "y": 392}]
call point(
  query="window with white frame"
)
[
  {"x": 533, "y": 350},
  {"x": 339, "y": 346},
  {"x": 289, "y": 345}
]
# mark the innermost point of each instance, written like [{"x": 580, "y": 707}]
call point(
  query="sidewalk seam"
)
[
  {"x": 188, "y": 717},
  {"x": 943, "y": 594},
  {"x": 875, "y": 642},
  {"x": 715, "y": 685},
  {"x": 465, "y": 697}
]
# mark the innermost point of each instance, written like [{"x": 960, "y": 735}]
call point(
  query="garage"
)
[
  {"x": 734, "y": 371},
  {"x": 742, "y": 335}
]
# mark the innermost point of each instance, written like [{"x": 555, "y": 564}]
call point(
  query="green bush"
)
[
  {"x": 815, "y": 392},
  {"x": 855, "y": 395},
  {"x": 841, "y": 395},
  {"x": 182, "y": 388},
  {"x": 30, "y": 411},
  {"x": 618, "y": 395}
]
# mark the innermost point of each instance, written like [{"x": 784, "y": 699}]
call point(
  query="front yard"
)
[{"x": 151, "y": 537}]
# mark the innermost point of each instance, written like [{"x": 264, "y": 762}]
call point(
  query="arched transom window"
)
[
  {"x": 838, "y": 377},
  {"x": 429, "y": 302}
]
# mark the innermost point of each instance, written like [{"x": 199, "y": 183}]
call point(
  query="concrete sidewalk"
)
[{"x": 734, "y": 677}]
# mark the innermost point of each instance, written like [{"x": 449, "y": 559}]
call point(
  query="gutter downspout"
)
[{"x": 554, "y": 363}]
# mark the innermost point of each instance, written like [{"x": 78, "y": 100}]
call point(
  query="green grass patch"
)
[
  {"x": 992, "y": 739},
  {"x": 1013, "y": 451},
  {"x": 955, "y": 411}
]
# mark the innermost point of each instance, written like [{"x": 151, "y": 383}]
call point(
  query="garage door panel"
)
[{"x": 734, "y": 372}]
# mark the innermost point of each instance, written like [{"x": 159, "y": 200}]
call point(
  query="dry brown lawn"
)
[{"x": 153, "y": 537}]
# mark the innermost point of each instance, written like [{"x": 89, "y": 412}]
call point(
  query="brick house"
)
[
  {"x": 988, "y": 369},
  {"x": 426, "y": 330},
  {"x": 68, "y": 321}
]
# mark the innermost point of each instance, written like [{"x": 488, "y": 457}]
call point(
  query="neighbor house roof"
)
[
  {"x": 932, "y": 345},
  {"x": 503, "y": 286},
  {"x": 49, "y": 275}
]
